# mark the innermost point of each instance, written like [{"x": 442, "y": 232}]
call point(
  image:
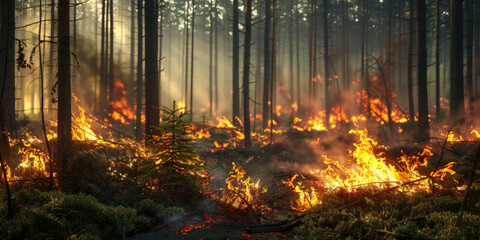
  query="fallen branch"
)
[{"x": 275, "y": 227}]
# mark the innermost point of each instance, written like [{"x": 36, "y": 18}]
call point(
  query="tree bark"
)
[
  {"x": 326, "y": 61},
  {"x": 64, "y": 140},
  {"x": 191, "y": 59},
  {"x": 139, "y": 100},
  {"x": 103, "y": 64},
  {"x": 411, "y": 30},
  {"x": 210, "y": 62},
  {"x": 187, "y": 45},
  {"x": 469, "y": 26},
  {"x": 423, "y": 124},
  {"x": 266, "y": 65},
  {"x": 7, "y": 97},
  {"x": 236, "y": 64},
  {"x": 111, "y": 69},
  {"x": 246, "y": 73},
  {"x": 457, "y": 105},
  {"x": 151, "y": 69},
  {"x": 437, "y": 57},
  {"x": 7, "y": 63}
]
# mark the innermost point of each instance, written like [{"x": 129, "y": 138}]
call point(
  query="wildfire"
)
[
  {"x": 240, "y": 191},
  {"x": 120, "y": 110},
  {"x": 307, "y": 196},
  {"x": 372, "y": 169}
]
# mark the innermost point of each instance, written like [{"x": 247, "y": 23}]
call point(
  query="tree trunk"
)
[
  {"x": 216, "y": 57},
  {"x": 7, "y": 95},
  {"x": 469, "y": 26},
  {"x": 7, "y": 63},
  {"x": 266, "y": 65},
  {"x": 159, "y": 8},
  {"x": 236, "y": 64},
  {"x": 210, "y": 62},
  {"x": 151, "y": 69},
  {"x": 191, "y": 59},
  {"x": 345, "y": 50},
  {"x": 246, "y": 74},
  {"x": 139, "y": 100},
  {"x": 362, "y": 57},
  {"x": 457, "y": 105},
  {"x": 423, "y": 124},
  {"x": 111, "y": 67},
  {"x": 297, "y": 39},
  {"x": 437, "y": 57},
  {"x": 51, "y": 72},
  {"x": 477, "y": 49},
  {"x": 64, "y": 140},
  {"x": 187, "y": 45},
  {"x": 411, "y": 30},
  {"x": 103, "y": 64},
  {"x": 290, "y": 55},
  {"x": 131, "y": 81},
  {"x": 326, "y": 61}
]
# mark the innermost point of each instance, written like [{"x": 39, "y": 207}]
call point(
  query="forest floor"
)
[{"x": 244, "y": 190}]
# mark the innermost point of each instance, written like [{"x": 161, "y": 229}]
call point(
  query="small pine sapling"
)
[{"x": 174, "y": 166}]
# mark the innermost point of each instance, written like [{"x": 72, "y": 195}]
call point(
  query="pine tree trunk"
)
[
  {"x": 326, "y": 61},
  {"x": 64, "y": 141},
  {"x": 457, "y": 105},
  {"x": 7, "y": 64},
  {"x": 111, "y": 69},
  {"x": 246, "y": 73},
  {"x": 139, "y": 100},
  {"x": 131, "y": 81},
  {"x": 103, "y": 64},
  {"x": 187, "y": 45},
  {"x": 191, "y": 60},
  {"x": 411, "y": 106},
  {"x": 437, "y": 57},
  {"x": 51, "y": 72},
  {"x": 159, "y": 8},
  {"x": 151, "y": 69},
  {"x": 423, "y": 124},
  {"x": 469, "y": 26},
  {"x": 290, "y": 55},
  {"x": 297, "y": 39},
  {"x": 210, "y": 62},
  {"x": 477, "y": 49},
  {"x": 216, "y": 58},
  {"x": 236, "y": 64},
  {"x": 7, "y": 94},
  {"x": 266, "y": 65}
]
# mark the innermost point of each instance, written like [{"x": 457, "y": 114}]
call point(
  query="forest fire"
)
[
  {"x": 120, "y": 109},
  {"x": 294, "y": 119},
  {"x": 241, "y": 191}
]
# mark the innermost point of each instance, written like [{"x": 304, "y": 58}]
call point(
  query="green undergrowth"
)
[
  {"x": 58, "y": 215},
  {"x": 421, "y": 216}
]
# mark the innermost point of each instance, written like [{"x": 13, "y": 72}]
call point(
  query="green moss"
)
[
  {"x": 57, "y": 215},
  {"x": 420, "y": 216}
]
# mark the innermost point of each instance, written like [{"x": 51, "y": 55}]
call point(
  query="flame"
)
[
  {"x": 240, "y": 191},
  {"x": 223, "y": 122},
  {"x": 307, "y": 196},
  {"x": 372, "y": 168},
  {"x": 120, "y": 110},
  {"x": 199, "y": 133}
]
